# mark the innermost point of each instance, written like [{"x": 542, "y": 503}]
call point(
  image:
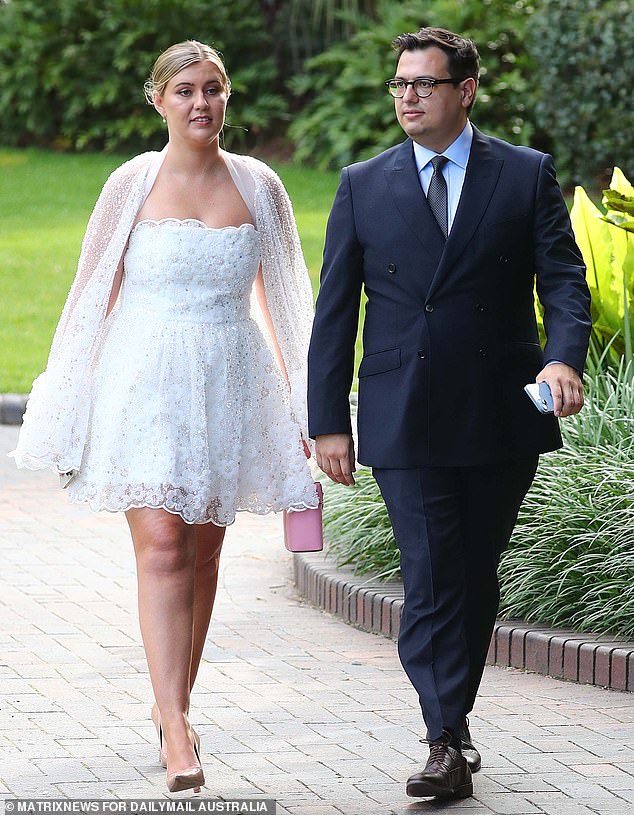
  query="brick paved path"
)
[{"x": 291, "y": 703}]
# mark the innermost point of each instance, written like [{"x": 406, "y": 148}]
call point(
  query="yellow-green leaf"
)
[{"x": 620, "y": 183}]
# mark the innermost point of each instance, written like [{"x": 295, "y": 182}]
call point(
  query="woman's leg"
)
[
  {"x": 165, "y": 548},
  {"x": 209, "y": 540}
]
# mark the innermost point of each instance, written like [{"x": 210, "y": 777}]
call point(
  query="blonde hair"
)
[{"x": 177, "y": 57}]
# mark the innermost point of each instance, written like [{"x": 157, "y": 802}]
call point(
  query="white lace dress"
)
[{"x": 189, "y": 410}]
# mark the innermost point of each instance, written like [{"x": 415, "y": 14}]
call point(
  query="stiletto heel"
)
[
  {"x": 159, "y": 732},
  {"x": 192, "y": 778}
]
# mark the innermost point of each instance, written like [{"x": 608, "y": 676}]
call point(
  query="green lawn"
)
[{"x": 45, "y": 201}]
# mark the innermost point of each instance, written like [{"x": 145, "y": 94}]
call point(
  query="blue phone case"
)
[{"x": 540, "y": 396}]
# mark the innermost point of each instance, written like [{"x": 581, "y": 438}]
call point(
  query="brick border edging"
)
[{"x": 375, "y": 606}]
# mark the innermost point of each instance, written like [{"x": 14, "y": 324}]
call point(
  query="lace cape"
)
[{"x": 54, "y": 429}]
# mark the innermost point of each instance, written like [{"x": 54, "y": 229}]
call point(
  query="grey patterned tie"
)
[{"x": 437, "y": 193}]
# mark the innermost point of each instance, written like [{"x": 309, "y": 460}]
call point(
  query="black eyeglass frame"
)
[{"x": 432, "y": 82}]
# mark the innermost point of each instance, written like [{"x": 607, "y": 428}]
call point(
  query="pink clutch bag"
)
[{"x": 303, "y": 530}]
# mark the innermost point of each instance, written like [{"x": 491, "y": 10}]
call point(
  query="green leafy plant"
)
[
  {"x": 617, "y": 203},
  {"x": 571, "y": 559},
  {"x": 585, "y": 70},
  {"x": 606, "y": 241},
  {"x": 72, "y": 71},
  {"x": 345, "y": 114}
]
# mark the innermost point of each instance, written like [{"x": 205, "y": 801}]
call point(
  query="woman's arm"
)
[
  {"x": 116, "y": 287},
  {"x": 260, "y": 293}
]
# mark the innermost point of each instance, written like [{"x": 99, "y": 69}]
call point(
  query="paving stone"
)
[
  {"x": 615, "y": 811},
  {"x": 525, "y": 783},
  {"x": 585, "y": 791},
  {"x": 86, "y": 748},
  {"x": 101, "y": 791},
  {"x": 626, "y": 795},
  {"x": 37, "y": 744},
  {"x": 552, "y": 804},
  {"x": 27, "y": 787},
  {"x": 509, "y": 804}
]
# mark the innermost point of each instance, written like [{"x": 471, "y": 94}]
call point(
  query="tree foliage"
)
[
  {"x": 584, "y": 81},
  {"x": 303, "y": 28},
  {"x": 555, "y": 73},
  {"x": 72, "y": 71},
  {"x": 347, "y": 115}
]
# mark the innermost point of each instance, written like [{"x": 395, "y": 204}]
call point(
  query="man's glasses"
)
[{"x": 423, "y": 85}]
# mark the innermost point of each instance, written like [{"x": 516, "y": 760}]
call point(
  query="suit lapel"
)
[
  {"x": 481, "y": 177},
  {"x": 404, "y": 184}
]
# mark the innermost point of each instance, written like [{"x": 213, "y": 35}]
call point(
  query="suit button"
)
[
  {"x": 422, "y": 355},
  {"x": 429, "y": 307},
  {"x": 483, "y": 352},
  {"x": 503, "y": 259},
  {"x": 391, "y": 268},
  {"x": 481, "y": 308}
]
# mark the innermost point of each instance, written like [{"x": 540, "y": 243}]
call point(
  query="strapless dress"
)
[{"x": 189, "y": 410}]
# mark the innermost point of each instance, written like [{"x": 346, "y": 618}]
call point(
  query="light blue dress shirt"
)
[{"x": 453, "y": 171}]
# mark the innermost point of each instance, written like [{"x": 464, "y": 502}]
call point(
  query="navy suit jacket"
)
[{"x": 449, "y": 336}]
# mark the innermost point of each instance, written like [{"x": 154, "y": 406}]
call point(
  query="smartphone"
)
[{"x": 540, "y": 395}]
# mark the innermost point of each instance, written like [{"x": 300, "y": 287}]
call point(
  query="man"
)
[{"x": 447, "y": 250}]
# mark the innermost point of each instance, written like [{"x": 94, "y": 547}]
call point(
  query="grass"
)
[
  {"x": 311, "y": 192},
  {"x": 45, "y": 202}
]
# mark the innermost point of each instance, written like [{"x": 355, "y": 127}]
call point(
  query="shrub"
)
[
  {"x": 348, "y": 116},
  {"x": 571, "y": 559},
  {"x": 586, "y": 71},
  {"x": 72, "y": 71}
]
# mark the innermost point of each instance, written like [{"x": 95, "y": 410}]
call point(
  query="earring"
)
[{"x": 164, "y": 121}]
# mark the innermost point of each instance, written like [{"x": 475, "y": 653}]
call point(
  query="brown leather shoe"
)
[
  {"x": 446, "y": 774},
  {"x": 473, "y": 757}
]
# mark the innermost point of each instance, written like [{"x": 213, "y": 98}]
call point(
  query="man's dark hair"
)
[{"x": 462, "y": 54}]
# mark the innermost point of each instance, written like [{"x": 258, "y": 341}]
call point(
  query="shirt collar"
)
[{"x": 458, "y": 151}]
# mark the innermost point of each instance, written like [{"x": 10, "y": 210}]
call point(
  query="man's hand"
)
[
  {"x": 566, "y": 387},
  {"x": 335, "y": 456}
]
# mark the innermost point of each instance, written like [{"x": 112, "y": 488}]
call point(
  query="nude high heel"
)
[
  {"x": 159, "y": 732},
  {"x": 192, "y": 778}
]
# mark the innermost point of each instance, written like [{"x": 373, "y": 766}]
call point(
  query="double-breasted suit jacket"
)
[{"x": 450, "y": 334}]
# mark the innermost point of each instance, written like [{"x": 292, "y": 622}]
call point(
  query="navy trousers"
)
[{"x": 451, "y": 525}]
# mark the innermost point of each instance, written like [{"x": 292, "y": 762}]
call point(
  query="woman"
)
[{"x": 161, "y": 397}]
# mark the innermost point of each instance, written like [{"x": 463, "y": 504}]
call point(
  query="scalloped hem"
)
[
  {"x": 265, "y": 510},
  {"x": 27, "y": 461}
]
